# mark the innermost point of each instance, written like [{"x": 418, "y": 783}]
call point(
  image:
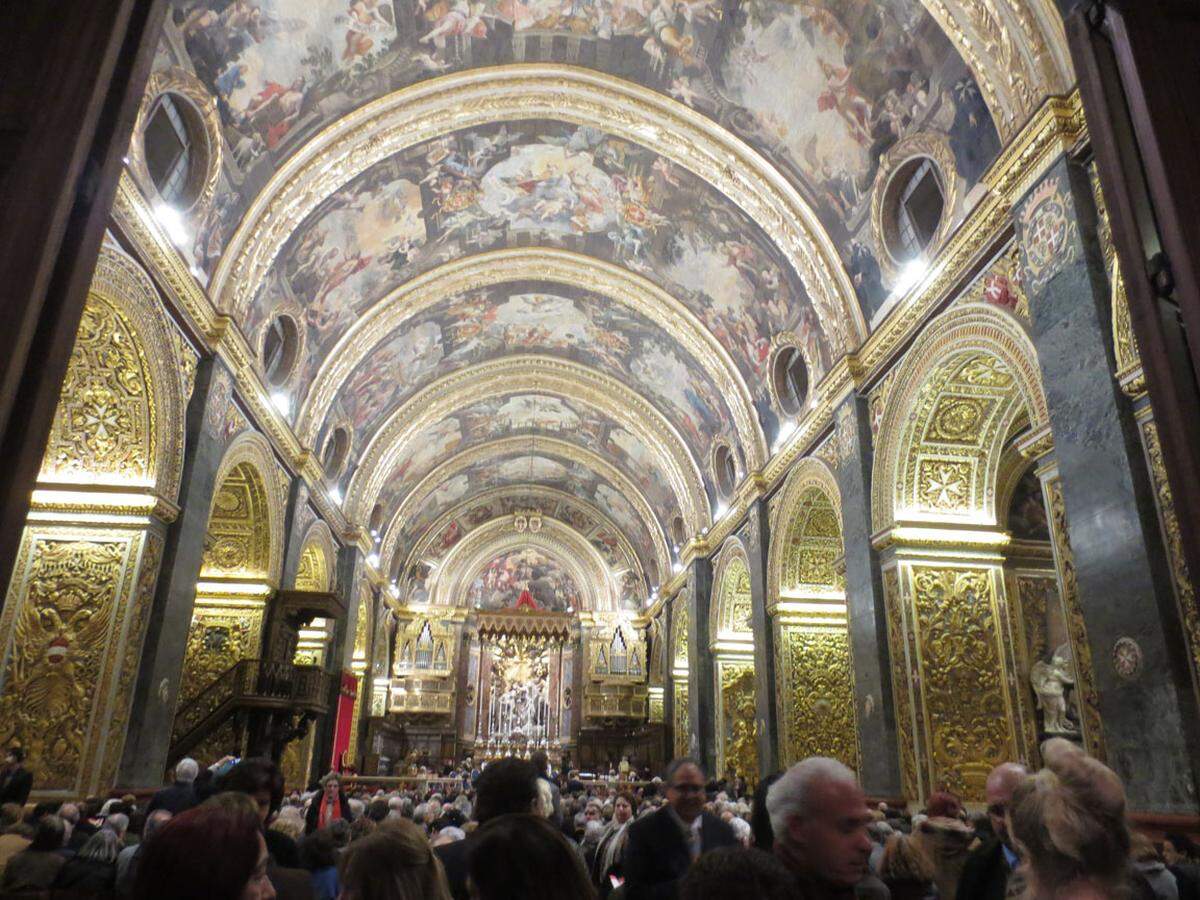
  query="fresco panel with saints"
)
[
  {"x": 823, "y": 88},
  {"x": 550, "y": 184}
]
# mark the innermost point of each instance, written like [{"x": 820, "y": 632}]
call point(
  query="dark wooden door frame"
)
[{"x": 71, "y": 78}]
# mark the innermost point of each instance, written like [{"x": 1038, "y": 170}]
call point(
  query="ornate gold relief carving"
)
[
  {"x": 944, "y": 485},
  {"x": 105, "y": 422},
  {"x": 1081, "y": 650},
  {"x": 902, "y": 684},
  {"x": 732, "y": 613},
  {"x": 817, "y": 689},
  {"x": 62, "y": 608},
  {"x": 738, "y": 745},
  {"x": 217, "y": 639},
  {"x": 957, "y": 420},
  {"x": 968, "y": 716},
  {"x": 1185, "y": 593},
  {"x": 681, "y": 719}
]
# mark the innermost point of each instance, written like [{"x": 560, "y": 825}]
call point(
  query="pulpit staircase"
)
[{"x": 268, "y": 701}]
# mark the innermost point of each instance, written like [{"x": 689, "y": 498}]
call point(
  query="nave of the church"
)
[{"x": 638, "y": 448}]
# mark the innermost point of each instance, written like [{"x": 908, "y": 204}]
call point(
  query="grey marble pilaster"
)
[
  {"x": 668, "y": 681},
  {"x": 865, "y": 605},
  {"x": 756, "y": 536},
  {"x": 293, "y": 536},
  {"x": 1149, "y": 716},
  {"x": 702, "y": 743},
  {"x": 350, "y": 570},
  {"x": 144, "y": 759}
]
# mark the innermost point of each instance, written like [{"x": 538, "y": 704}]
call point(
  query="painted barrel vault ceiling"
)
[{"x": 539, "y": 253}]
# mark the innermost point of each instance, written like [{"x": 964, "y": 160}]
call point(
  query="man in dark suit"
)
[
  {"x": 181, "y": 796},
  {"x": 16, "y": 782},
  {"x": 505, "y": 786},
  {"x": 663, "y": 845},
  {"x": 986, "y": 873}
]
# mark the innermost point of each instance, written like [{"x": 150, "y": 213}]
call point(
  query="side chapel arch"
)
[
  {"x": 78, "y": 604},
  {"x": 807, "y": 600},
  {"x": 732, "y": 643}
]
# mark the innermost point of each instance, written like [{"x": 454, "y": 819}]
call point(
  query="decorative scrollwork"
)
[
  {"x": 962, "y": 676},
  {"x": 817, "y": 675},
  {"x": 738, "y": 748}
]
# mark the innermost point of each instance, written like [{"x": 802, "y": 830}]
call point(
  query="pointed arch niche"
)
[{"x": 815, "y": 700}]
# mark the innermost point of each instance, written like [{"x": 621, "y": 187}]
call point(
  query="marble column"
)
[
  {"x": 668, "y": 737},
  {"x": 865, "y": 606},
  {"x": 144, "y": 759},
  {"x": 756, "y": 536},
  {"x": 702, "y": 743},
  {"x": 1146, "y": 704},
  {"x": 293, "y": 536}
]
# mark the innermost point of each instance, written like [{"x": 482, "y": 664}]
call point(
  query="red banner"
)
[{"x": 345, "y": 714}]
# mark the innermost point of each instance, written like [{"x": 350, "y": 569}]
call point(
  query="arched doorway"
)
[{"x": 808, "y": 608}]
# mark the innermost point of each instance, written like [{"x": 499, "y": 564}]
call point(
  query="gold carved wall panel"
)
[
  {"x": 737, "y": 747},
  {"x": 968, "y": 717},
  {"x": 903, "y": 668},
  {"x": 219, "y": 637},
  {"x": 682, "y": 720},
  {"x": 816, "y": 690}
]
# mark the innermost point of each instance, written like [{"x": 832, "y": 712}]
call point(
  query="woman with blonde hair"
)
[
  {"x": 394, "y": 862},
  {"x": 1069, "y": 823}
]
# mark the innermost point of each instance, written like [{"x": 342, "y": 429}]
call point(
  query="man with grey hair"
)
[
  {"x": 819, "y": 817},
  {"x": 127, "y": 860},
  {"x": 662, "y": 846},
  {"x": 181, "y": 796},
  {"x": 989, "y": 869}
]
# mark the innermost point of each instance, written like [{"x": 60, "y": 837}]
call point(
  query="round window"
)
[
  {"x": 914, "y": 205},
  {"x": 280, "y": 348},
  {"x": 725, "y": 470},
  {"x": 175, "y": 146},
  {"x": 337, "y": 447},
  {"x": 789, "y": 377}
]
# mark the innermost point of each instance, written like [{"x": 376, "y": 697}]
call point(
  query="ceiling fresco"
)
[
  {"x": 589, "y": 522},
  {"x": 522, "y": 413},
  {"x": 539, "y": 467},
  {"x": 486, "y": 325},
  {"x": 822, "y": 88},
  {"x": 555, "y": 185}
]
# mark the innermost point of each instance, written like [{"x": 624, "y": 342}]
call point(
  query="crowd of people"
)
[{"x": 511, "y": 829}]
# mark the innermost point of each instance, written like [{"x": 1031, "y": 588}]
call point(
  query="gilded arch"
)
[
  {"x": 962, "y": 385},
  {"x": 731, "y": 635},
  {"x": 318, "y": 559},
  {"x": 245, "y": 513},
  {"x": 730, "y": 612},
  {"x": 545, "y": 375},
  {"x": 809, "y": 517},
  {"x": 552, "y": 446},
  {"x": 548, "y": 264},
  {"x": 529, "y": 91},
  {"x": 598, "y": 587}
]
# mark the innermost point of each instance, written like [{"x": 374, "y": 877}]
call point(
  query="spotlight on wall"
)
[
  {"x": 335, "y": 494},
  {"x": 282, "y": 402},
  {"x": 172, "y": 223},
  {"x": 721, "y": 510},
  {"x": 373, "y": 560}
]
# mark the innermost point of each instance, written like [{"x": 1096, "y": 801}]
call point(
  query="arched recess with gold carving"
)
[
  {"x": 732, "y": 643},
  {"x": 75, "y": 616},
  {"x": 962, "y": 385},
  {"x": 240, "y": 571},
  {"x": 680, "y": 617},
  {"x": 807, "y": 601},
  {"x": 315, "y": 572},
  {"x": 967, "y": 396}
]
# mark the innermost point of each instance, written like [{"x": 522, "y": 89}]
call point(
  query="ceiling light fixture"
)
[
  {"x": 172, "y": 223},
  {"x": 282, "y": 402}
]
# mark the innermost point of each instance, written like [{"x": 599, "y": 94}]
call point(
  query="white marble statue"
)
[{"x": 1050, "y": 681}]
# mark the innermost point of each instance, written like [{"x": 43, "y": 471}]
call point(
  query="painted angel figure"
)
[{"x": 1050, "y": 681}]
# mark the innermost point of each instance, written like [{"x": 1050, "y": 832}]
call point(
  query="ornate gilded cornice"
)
[
  {"x": 533, "y": 374},
  {"x": 553, "y": 447},
  {"x": 542, "y": 264},
  {"x": 1056, "y": 128},
  {"x": 434, "y": 108},
  {"x": 538, "y": 492},
  {"x": 451, "y": 582},
  {"x": 220, "y": 336}
]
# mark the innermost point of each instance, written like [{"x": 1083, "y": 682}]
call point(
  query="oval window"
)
[{"x": 789, "y": 376}]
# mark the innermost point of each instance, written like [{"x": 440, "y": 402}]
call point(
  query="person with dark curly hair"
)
[{"x": 522, "y": 855}]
